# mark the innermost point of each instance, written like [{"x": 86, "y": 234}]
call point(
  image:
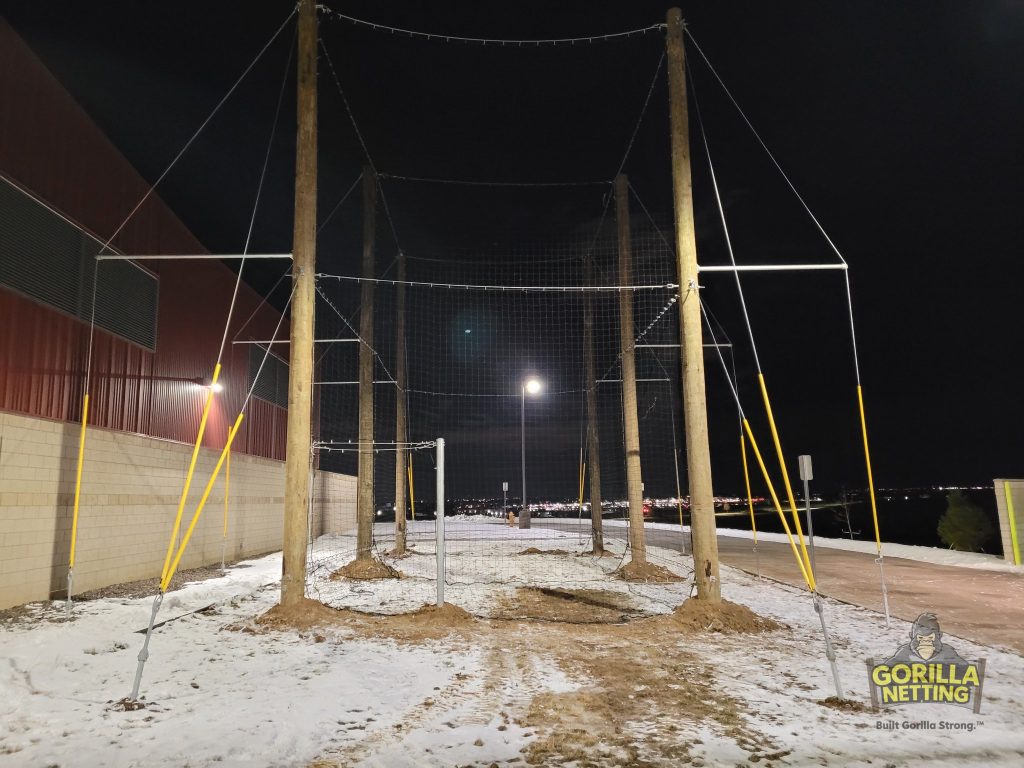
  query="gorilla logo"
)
[{"x": 926, "y": 645}]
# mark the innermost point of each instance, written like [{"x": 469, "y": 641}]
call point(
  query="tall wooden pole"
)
[
  {"x": 695, "y": 412},
  {"x": 364, "y": 482},
  {"x": 630, "y": 420},
  {"x": 401, "y": 431},
  {"x": 300, "y": 376},
  {"x": 593, "y": 443}
]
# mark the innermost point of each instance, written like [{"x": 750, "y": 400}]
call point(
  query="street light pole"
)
[
  {"x": 531, "y": 386},
  {"x": 524, "y": 515}
]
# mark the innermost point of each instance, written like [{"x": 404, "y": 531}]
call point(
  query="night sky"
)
[{"x": 899, "y": 123}]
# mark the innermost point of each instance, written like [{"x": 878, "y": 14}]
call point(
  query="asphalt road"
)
[{"x": 984, "y": 606}]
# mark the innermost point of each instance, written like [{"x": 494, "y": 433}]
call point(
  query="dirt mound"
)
[
  {"x": 305, "y": 614},
  {"x": 647, "y": 573},
  {"x": 703, "y": 616},
  {"x": 844, "y": 705},
  {"x": 535, "y": 551},
  {"x": 366, "y": 570},
  {"x": 426, "y": 623},
  {"x": 591, "y": 553}
]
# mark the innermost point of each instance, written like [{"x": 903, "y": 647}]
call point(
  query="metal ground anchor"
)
[
  {"x": 67, "y": 600},
  {"x": 830, "y": 652},
  {"x": 885, "y": 589},
  {"x": 144, "y": 653}
]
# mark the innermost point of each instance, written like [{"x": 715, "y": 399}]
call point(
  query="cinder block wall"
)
[
  {"x": 334, "y": 503},
  {"x": 1015, "y": 490},
  {"x": 131, "y": 485}
]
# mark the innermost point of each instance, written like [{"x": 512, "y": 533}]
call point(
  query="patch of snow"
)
[{"x": 232, "y": 698}]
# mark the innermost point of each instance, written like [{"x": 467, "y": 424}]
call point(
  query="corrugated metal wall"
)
[{"x": 50, "y": 149}]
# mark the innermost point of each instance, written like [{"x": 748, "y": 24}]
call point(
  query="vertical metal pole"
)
[
  {"x": 439, "y": 524},
  {"x": 703, "y": 538},
  {"x": 364, "y": 483},
  {"x": 300, "y": 371},
  {"x": 806, "y": 467},
  {"x": 627, "y": 348},
  {"x": 524, "y": 516},
  {"x": 400, "y": 412},
  {"x": 810, "y": 525}
]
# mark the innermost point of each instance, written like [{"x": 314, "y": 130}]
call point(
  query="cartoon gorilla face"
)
[{"x": 925, "y": 635}]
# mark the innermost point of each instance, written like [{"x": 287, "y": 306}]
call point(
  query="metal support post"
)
[
  {"x": 439, "y": 524},
  {"x": 807, "y": 474}
]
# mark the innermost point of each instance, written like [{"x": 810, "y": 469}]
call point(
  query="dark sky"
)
[{"x": 900, "y": 124}]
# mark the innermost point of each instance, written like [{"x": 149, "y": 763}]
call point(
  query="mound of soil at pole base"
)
[
  {"x": 426, "y": 623},
  {"x": 725, "y": 617},
  {"x": 647, "y": 573},
  {"x": 366, "y": 570}
]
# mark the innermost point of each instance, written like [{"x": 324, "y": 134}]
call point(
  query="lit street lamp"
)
[{"x": 531, "y": 386}]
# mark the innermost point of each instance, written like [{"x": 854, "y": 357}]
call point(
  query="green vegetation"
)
[{"x": 964, "y": 525}]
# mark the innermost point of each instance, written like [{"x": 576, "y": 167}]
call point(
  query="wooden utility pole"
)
[
  {"x": 630, "y": 421},
  {"x": 300, "y": 371},
  {"x": 401, "y": 431},
  {"x": 593, "y": 443},
  {"x": 691, "y": 337},
  {"x": 364, "y": 483}
]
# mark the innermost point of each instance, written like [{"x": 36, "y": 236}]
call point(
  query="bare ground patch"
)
[
  {"x": 535, "y": 551},
  {"x": 844, "y": 705},
  {"x": 575, "y": 606},
  {"x": 641, "y": 703}
]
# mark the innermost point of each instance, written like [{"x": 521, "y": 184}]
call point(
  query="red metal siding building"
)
[{"x": 54, "y": 158}]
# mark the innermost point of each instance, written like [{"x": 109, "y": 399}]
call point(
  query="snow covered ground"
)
[{"x": 283, "y": 698}]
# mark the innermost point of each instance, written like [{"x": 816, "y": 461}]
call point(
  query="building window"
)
[
  {"x": 272, "y": 384},
  {"x": 45, "y": 257}
]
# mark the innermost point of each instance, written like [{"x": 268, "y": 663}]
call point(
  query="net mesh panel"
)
[{"x": 479, "y": 322}]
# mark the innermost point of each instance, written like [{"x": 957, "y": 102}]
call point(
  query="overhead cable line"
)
[
  {"x": 643, "y": 111},
  {"x": 259, "y": 192},
  {"x": 501, "y": 42},
  {"x": 473, "y": 183},
  {"x": 505, "y": 288},
  {"x": 362, "y": 141}
]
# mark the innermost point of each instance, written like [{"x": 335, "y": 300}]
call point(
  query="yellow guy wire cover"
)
[
  {"x": 166, "y": 580},
  {"x": 1013, "y": 522},
  {"x": 191, "y": 470},
  {"x": 867, "y": 461},
  {"x": 412, "y": 495},
  {"x": 805, "y": 571},
  {"x": 785, "y": 473},
  {"x": 78, "y": 480},
  {"x": 746, "y": 477}
]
